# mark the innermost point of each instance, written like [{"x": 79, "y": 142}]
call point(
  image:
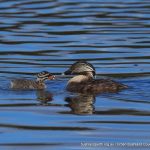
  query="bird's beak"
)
[
  {"x": 51, "y": 77},
  {"x": 68, "y": 72}
]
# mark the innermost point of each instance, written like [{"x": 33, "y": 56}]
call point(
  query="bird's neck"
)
[
  {"x": 80, "y": 78},
  {"x": 40, "y": 82}
]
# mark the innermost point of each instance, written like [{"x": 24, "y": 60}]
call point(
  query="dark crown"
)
[
  {"x": 43, "y": 75},
  {"x": 80, "y": 67}
]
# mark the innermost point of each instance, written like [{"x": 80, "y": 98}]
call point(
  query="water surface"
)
[{"x": 38, "y": 35}]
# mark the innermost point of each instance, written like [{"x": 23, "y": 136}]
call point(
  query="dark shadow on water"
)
[
  {"x": 44, "y": 97},
  {"x": 81, "y": 104}
]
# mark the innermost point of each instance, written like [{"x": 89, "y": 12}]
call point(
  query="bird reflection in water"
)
[
  {"x": 81, "y": 104},
  {"x": 44, "y": 97}
]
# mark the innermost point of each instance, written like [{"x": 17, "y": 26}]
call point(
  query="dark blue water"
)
[{"x": 50, "y": 35}]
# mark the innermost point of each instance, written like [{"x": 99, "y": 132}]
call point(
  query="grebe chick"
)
[
  {"x": 84, "y": 82},
  {"x": 32, "y": 84}
]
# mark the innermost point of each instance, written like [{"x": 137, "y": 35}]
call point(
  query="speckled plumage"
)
[
  {"x": 32, "y": 84},
  {"x": 26, "y": 84},
  {"x": 95, "y": 86}
]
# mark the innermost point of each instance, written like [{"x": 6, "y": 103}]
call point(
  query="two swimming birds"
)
[{"x": 83, "y": 80}]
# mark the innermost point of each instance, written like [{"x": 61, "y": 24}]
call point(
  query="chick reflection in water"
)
[
  {"x": 44, "y": 97},
  {"x": 81, "y": 104}
]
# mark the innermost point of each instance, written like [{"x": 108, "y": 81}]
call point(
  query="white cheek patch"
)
[{"x": 78, "y": 79}]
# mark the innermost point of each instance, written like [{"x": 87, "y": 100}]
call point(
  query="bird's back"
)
[
  {"x": 96, "y": 86},
  {"x": 25, "y": 84}
]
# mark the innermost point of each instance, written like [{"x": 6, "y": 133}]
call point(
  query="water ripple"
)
[{"x": 48, "y": 35}]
